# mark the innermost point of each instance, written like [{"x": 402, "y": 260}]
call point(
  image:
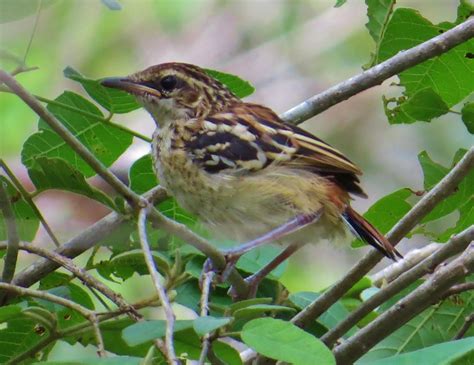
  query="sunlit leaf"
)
[{"x": 239, "y": 87}]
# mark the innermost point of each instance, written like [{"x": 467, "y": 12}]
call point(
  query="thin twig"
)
[
  {"x": 456, "y": 244},
  {"x": 405, "y": 309},
  {"x": 465, "y": 327},
  {"x": 412, "y": 258},
  {"x": 205, "y": 291},
  {"x": 87, "y": 278},
  {"x": 458, "y": 289},
  {"x": 27, "y": 197},
  {"x": 381, "y": 72},
  {"x": 440, "y": 191},
  {"x": 165, "y": 303},
  {"x": 12, "y": 236}
]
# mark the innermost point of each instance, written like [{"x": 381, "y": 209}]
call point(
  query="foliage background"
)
[{"x": 288, "y": 49}]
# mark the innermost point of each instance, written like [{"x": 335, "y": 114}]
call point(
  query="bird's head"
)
[{"x": 174, "y": 91}]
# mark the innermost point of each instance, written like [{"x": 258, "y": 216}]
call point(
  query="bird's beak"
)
[{"x": 130, "y": 86}]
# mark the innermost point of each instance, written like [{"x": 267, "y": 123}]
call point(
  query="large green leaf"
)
[
  {"x": 284, "y": 341},
  {"x": 239, "y": 87},
  {"x": 448, "y": 353},
  {"x": 387, "y": 211},
  {"x": 114, "y": 100},
  {"x": 207, "y": 324},
  {"x": 18, "y": 334},
  {"x": 447, "y": 79},
  {"x": 433, "y": 172},
  {"x": 25, "y": 218},
  {"x": 437, "y": 324},
  {"x": 423, "y": 105},
  {"x": 56, "y": 173},
  {"x": 105, "y": 142}
]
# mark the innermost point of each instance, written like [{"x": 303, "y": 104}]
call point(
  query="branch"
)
[
  {"x": 456, "y": 244},
  {"x": 12, "y": 236},
  {"x": 412, "y": 258},
  {"x": 205, "y": 291},
  {"x": 465, "y": 327},
  {"x": 440, "y": 191},
  {"x": 69, "y": 138},
  {"x": 87, "y": 278},
  {"x": 458, "y": 289},
  {"x": 405, "y": 309},
  {"x": 77, "y": 245},
  {"x": 165, "y": 303},
  {"x": 379, "y": 73}
]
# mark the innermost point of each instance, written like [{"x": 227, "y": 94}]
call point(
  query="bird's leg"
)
[
  {"x": 293, "y": 225},
  {"x": 232, "y": 255},
  {"x": 254, "y": 280}
]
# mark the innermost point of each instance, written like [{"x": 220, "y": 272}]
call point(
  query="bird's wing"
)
[{"x": 251, "y": 137}]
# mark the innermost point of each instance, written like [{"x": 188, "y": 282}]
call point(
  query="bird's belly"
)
[{"x": 244, "y": 207}]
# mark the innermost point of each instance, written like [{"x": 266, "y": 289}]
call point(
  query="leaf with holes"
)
[
  {"x": 448, "y": 78},
  {"x": 105, "y": 142}
]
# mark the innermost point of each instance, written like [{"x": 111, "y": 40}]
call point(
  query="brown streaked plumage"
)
[{"x": 241, "y": 169}]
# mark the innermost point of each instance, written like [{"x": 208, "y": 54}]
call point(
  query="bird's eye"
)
[{"x": 168, "y": 83}]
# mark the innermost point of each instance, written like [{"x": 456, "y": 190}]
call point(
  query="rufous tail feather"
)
[{"x": 362, "y": 229}]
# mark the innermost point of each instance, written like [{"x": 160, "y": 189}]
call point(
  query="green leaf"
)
[
  {"x": 225, "y": 352},
  {"x": 256, "y": 310},
  {"x": 241, "y": 88},
  {"x": 207, "y": 324},
  {"x": 141, "y": 175},
  {"x": 105, "y": 142},
  {"x": 467, "y": 114},
  {"x": 56, "y": 173},
  {"x": 145, "y": 331},
  {"x": 124, "y": 265},
  {"x": 284, "y": 341},
  {"x": 437, "y": 324},
  {"x": 452, "y": 352},
  {"x": 387, "y": 211},
  {"x": 450, "y": 76},
  {"x": 117, "y": 360},
  {"x": 18, "y": 334},
  {"x": 25, "y": 218},
  {"x": 9, "y": 311},
  {"x": 433, "y": 172},
  {"x": 143, "y": 178},
  {"x": 249, "y": 302},
  {"x": 114, "y": 100},
  {"x": 378, "y": 12},
  {"x": 254, "y": 260},
  {"x": 336, "y": 313},
  {"x": 465, "y": 220},
  {"x": 423, "y": 105}
]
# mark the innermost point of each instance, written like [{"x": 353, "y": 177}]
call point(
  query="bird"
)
[{"x": 246, "y": 174}]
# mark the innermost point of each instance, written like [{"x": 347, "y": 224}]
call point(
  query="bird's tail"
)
[{"x": 362, "y": 229}]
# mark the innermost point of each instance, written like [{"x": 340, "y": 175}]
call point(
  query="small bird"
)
[{"x": 243, "y": 171}]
